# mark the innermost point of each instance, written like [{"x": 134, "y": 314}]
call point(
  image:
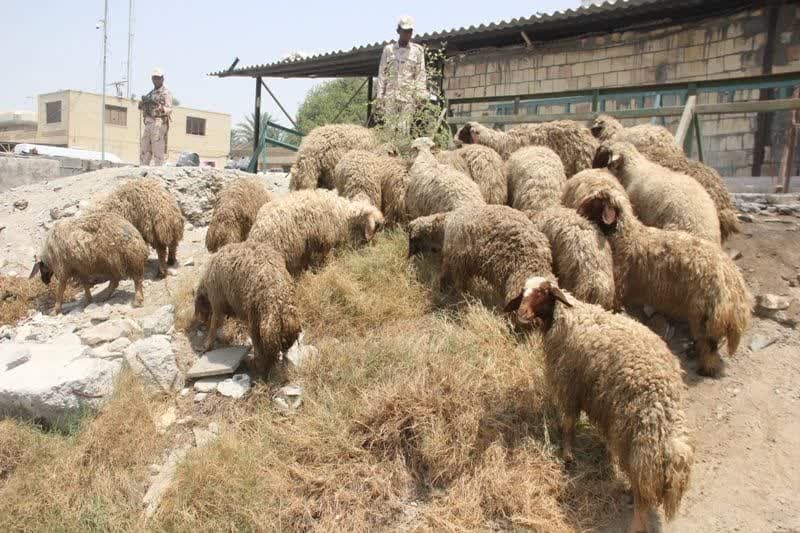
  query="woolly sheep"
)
[
  {"x": 680, "y": 276},
  {"x": 322, "y": 149},
  {"x": 573, "y": 142},
  {"x": 629, "y": 385},
  {"x": 484, "y": 166},
  {"x": 658, "y": 145},
  {"x": 307, "y": 223},
  {"x": 249, "y": 280},
  {"x": 582, "y": 258},
  {"x": 235, "y": 212},
  {"x": 535, "y": 179},
  {"x": 436, "y": 188},
  {"x": 495, "y": 242},
  {"x": 153, "y": 211},
  {"x": 377, "y": 179},
  {"x": 95, "y": 245},
  {"x": 662, "y": 198},
  {"x": 584, "y": 182}
]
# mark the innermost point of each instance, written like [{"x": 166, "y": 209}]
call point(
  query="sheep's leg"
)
[
  {"x": 568, "y": 422},
  {"x": 108, "y": 291},
  {"x": 162, "y": 261},
  {"x": 172, "y": 258},
  {"x": 62, "y": 286},
  {"x": 213, "y": 324},
  {"x": 640, "y": 515},
  {"x": 138, "y": 298},
  {"x": 87, "y": 292},
  {"x": 262, "y": 354},
  {"x": 710, "y": 363}
]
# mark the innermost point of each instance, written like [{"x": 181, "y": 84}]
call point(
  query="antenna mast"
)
[{"x": 130, "y": 48}]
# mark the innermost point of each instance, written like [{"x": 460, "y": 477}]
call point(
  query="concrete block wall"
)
[{"x": 726, "y": 47}]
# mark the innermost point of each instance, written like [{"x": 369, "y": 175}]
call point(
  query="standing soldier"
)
[
  {"x": 402, "y": 80},
  {"x": 157, "y": 108}
]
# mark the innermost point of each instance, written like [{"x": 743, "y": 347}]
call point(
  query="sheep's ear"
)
[
  {"x": 602, "y": 157},
  {"x": 37, "y": 267},
  {"x": 369, "y": 228},
  {"x": 560, "y": 296},
  {"x": 514, "y": 304},
  {"x": 614, "y": 158},
  {"x": 465, "y": 134}
]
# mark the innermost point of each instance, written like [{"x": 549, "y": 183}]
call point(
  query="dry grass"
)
[
  {"x": 19, "y": 296},
  {"x": 90, "y": 480}
]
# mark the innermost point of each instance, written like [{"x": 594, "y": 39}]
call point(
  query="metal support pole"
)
[
  {"x": 279, "y": 105},
  {"x": 698, "y": 134},
  {"x": 257, "y": 123},
  {"x": 130, "y": 48},
  {"x": 369, "y": 99},
  {"x": 790, "y": 146},
  {"x": 103, "y": 104}
]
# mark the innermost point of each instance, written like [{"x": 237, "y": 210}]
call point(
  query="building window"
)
[
  {"x": 53, "y": 112},
  {"x": 116, "y": 115},
  {"x": 195, "y": 126}
]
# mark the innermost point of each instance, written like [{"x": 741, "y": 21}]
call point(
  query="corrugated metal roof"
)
[{"x": 363, "y": 60}]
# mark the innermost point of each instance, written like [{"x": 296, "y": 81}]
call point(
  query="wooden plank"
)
[
  {"x": 686, "y": 120},
  {"x": 790, "y": 146},
  {"x": 698, "y": 134}
]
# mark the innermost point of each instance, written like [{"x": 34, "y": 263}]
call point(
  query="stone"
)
[
  {"x": 661, "y": 327},
  {"x": 204, "y": 437},
  {"x": 289, "y": 397},
  {"x": 160, "y": 322},
  {"x": 185, "y": 392},
  {"x": 97, "y": 313},
  {"x": 53, "y": 382},
  {"x": 188, "y": 262},
  {"x": 6, "y": 332},
  {"x": 299, "y": 352},
  {"x": 235, "y": 386},
  {"x": 153, "y": 361},
  {"x": 648, "y": 311},
  {"x": 771, "y": 302},
  {"x": 218, "y": 362},
  {"x": 759, "y": 342},
  {"x": 166, "y": 419},
  {"x": 118, "y": 346},
  {"x": 200, "y": 396},
  {"x": 745, "y": 217},
  {"x": 162, "y": 480},
  {"x": 21, "y": 204},
  {"x": 207, "y": 384},
  {"x": 734, "y": 254},
  {"x": 110, "y": 331}
]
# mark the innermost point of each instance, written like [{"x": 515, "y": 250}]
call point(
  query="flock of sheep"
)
[{"x": 569, "y": 224}]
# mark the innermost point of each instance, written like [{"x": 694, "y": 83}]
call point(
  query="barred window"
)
[
  {"x": 195, "y": 126},
  {"x": 53, "y": 112},
  {"x": 116, "y": 115}
]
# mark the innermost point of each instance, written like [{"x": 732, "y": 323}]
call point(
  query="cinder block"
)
[{"x": 733, "y": 62}]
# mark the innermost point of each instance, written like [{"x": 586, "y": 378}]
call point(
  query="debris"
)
[
  {"x": 734, "y": 254},
  {"x": 207, "y": 384},
  {"x": 235, "y": 386},
  {"x": 767, "y": 303},
  {"x": 204, "y": 437},
  {"x": 166, "y": 419},
  {"x": 299, "y": 353},
  {"x": 154, "y": 494},
  {"x": 218, "y": 362},
  {"x": 200, "y": 396},
  {"x": 21, "y": 205},
  {"x": 110, "y": 331},
  {"x": 160, "y": 322},
  {"x": 289, "y": 397},
  {"x": 759, "y": 342},
  {"x": 745, "y": 218},
  {"x": 188, "y": 262},
  {"x": 98, "y": 313},
  {"x": 185, "y": 391},
  {"x": 153, "y": 360}
]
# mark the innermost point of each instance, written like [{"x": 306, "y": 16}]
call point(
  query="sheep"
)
[
  {"x": 235, "y": 212},
  {"x": 680, "y": 276},
  {"x": 436, "y": 188},
  {"x": 585, "y": 181},
  {"x": 378, "y": 179},
  {"x": 573, "y": 142},
  {"x": 95, "y": 245},
  {"x": 495, "y": 242},
  {"x": 627, "y": 382},
  {"x": 321, "y": 150},
  {"x": 582, "y": 258},
  {"x": 484, "y": 166},
  {"x": 249, "y": 280},
  {"x": 662, "y": 198},
  {"x": 535, "y": 179},
  {"x": 153, "y": 211},
  {"x": 658, "y": 145},
  {"x": 305, "y": 223}
]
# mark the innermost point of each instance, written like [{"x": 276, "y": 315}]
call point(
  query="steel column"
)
[{"x": 257, "y": 124}]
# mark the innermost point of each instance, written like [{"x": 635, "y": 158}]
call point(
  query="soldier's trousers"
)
[{"x": 154, "y": 143}]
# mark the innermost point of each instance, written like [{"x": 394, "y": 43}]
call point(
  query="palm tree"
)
[{"x": 243, "y": 133}]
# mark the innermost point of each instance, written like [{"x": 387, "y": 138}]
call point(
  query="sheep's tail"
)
[
  {"x": 732, "y": 315},
  {"x": 678, "y": 459},
  {"x": 305, "y": 173},
  {"x": 728, "y": 223}
]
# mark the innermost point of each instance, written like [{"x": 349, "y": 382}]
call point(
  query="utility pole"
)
[
  {"x": 130, "y": 48},
  {"x": 103, "y": 110}
]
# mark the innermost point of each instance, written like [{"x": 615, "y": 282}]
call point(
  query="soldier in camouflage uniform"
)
[
  {"x": 157, "y": 108},
  {"x": 402, "y": 79}
]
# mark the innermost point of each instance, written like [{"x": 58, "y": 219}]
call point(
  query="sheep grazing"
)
[
  {"x": 662, "y": 198},
  {"x": 495, "y": 242},
  {"x": 658, "y": 145},
  {"x": 249, "y": 281},
  {"x": 322, "y": 149},
  {"x": 95, "y": 245},
  {"x": 584, "y": 182},
  {"x": 436, "y": 188},
  {"x": 484, "y": 166},
  {"x": 235, "y": 212},
  {"x": 153, "y": 211},
  {"x": 377, "y": 179},
  {"x": 627, "y": 382},
  {"x": 573, "y": 142},
  {"x": 680, "y": 276},
  {"x": 582, "y": 258},
  {"x": 535, "y": 179},
  {"x": 303, "y": 224}
]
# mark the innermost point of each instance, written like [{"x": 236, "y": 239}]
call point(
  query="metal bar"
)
[
  {"x": 698, "y": 135},
  {"x": 686, "y": 120},
  {"x": 256, "y": 128},
  {"x": 753, "y": 106},
  {"x": 279, "y": 105},
  {"x": 276, "y": 142},
  {"x": 283, "y": 128},
  {"x": 515, "y": 108},
  {"x": 369, "y": 99},
  {"x": 345, "y": 106},
  {"x": 595, "y": 99},
  {"x": 790, "y": 146},
  {"x": 656, "y": 105}
]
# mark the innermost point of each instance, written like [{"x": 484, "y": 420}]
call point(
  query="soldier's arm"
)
[
  {"x": 166, "y": 109},
  {"x": 421, "y": 79},
  {"x": 381, "y": 85}
]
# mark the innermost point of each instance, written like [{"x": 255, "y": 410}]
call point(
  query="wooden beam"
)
[
  {"x": 686, "y": 120},
  {"x": 527, "y": 39},
  {"x": 698, "y": 134},
  {"x": 790, "y": 146}
]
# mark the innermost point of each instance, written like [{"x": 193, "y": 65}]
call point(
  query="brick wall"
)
[{"x": 726, "y": 47}]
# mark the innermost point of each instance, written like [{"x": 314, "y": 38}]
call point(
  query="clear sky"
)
[{"x": 53, "y": 44}]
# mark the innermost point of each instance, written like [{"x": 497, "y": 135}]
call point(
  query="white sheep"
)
[
  {"x": 484, "y": 166},
  {"x": 536, "y": 179}
]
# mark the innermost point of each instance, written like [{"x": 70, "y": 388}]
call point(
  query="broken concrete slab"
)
[
  {"x": 153, "y": 360},
  {"x": 218, "y": 362},
  {"x": 160, "y": 322},
  {"x": 111, "y": 331},
  {"x": 208, "y": 384},
  {"x": 162, "y": 480},
  {"x": 235, "y": 387}
]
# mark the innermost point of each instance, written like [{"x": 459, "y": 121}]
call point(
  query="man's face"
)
[
  {"x": 404, "y": 36},
  {"x": 158, "y": 81}
]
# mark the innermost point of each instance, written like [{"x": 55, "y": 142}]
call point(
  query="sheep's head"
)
[
  {"x": 202, "y": 306},
  {"x": 421, "y": 144},
  {"x": 613, "y": 156},
  {"x": 426, "y": 234},
  {"x": 536, "y": 303},
  {"x": 603, "y": 208},
  {"x": 604, "y": 126},
  {"x": 368, "y": 223},
  {"x": 39, "y": 267},
  {"x": 469, "y": 133}
]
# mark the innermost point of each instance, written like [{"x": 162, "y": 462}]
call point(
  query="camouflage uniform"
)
[
  {"x": 156, "y": 126},
  {"x": 402, "y": 82}
]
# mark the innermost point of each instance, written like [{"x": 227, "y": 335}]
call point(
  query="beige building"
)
[{"x": 72, "y": 119}]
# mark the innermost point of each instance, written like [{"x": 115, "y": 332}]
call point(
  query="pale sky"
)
[{"x": 52, "y": 45}]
